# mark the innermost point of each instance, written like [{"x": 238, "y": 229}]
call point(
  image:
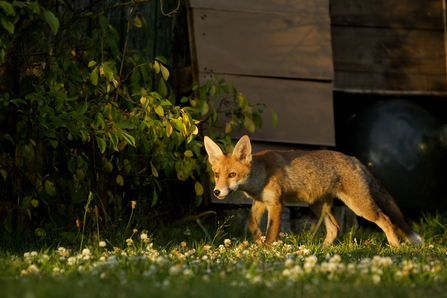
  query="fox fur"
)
[{"x": 273, "y": 178}]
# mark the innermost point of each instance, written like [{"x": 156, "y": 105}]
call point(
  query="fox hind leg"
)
[
  {"x": 323, "y": 208},
  {"x": 368, "y": 209}
]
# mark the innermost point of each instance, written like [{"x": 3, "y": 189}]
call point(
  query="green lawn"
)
[{"x": 359, "y": 264}]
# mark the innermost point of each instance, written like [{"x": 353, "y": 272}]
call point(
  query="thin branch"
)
[
  {"x": 124, "y": 52},
  {"x": 169, "y": 14}
]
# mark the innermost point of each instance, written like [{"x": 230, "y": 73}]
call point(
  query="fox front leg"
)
[
  {"x": 274, "y": 220},
  {"x": 257, "y": 211}
]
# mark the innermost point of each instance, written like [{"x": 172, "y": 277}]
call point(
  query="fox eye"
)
[
  {"x": 216, "y": 175},
  {"x": 232, "y": 175}
]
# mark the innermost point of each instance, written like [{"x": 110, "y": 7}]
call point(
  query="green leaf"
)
[
  {"x": 9, "y": 138},
  {"x": 120, "y": 180},
  {"x": 188, "y": 153},
  {"x": 72, "y": 164},
  {"x": 178, "y": 124},
  {"x": 198, "y": 188},
  {"x": 35, "y": 203},
  {"x": 99, "y": 121},
  {"x": 51, "y": 19},
  {"x": 49, "y": 133},
  {"x": 249, "y": 124},
  {"x": 26, "y": 202},
  {"x": 4, "y": 174},
  {"x": 155, "y": 198},
  {"x": 80, "y": 174},
  {"x": 162, "y": 88},
  {"x": 54, "y": 143},
  {"x": 26, "y": 151},
  {"x": 126, "y": 124},
  {"x": 156, "y": 67},
  {"x": 274, "y": 117},
  {"x": 101, "y": 144},
  {"x": 159, "y": 110},
  {"x": 91, "y": 63},
  {"x": 8, "y": 8},
  {"x": 7, "y": 24},
  {"x": 154, "y": 170},
  {"x": 104, "y": 22},
  {"x": 108, "y": 71},
  {"x": 127, "y": 166},
  {"x": 49, "y": 188},
  {"x": 161, "y": 59},
  {"x": 130, "y": 139},
  {"x": 81, "y": 108},
  {"x": 34, "y": 7},
  {"x": 164, "y": 72},
  {"x": 57, "y": 121},
  {"x": 7, "y": 223},
  {"x": 94, "y": 76}
]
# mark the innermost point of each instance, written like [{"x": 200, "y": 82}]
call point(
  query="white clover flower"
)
[
  {"x": 33, "y": 269},
  {"x": 34, "y": 254},
  {"x": 332, "y": 267},
  {"x": 143, "y": 236},
  {"x": 351, "y": 267},
  {"x": 227, "y": 242},
  {"x": 103, "y": 275},
  {"x": 188, "y": 273},
  {"x": 222, "y": 248},
  {"x": 71, "y": 261},
  {"x": 205, "y": 257},
  {"x": 386, "y": 261},
  {"x": 376, "y": 279},
  {"x": 174, "y": 270},
  {"x": 289, "y": 263},
  {"x": 86, "y": 257},
  {"x": 256, "y": 279},
  {"x": 263, "y": 238},
  {"x": 205, "y": 277},
  {"x": 56, "y": 270},
  {"x": 102, "y": 244},
  {"x": 27, "y": 255},
  {"x": 311, "y": 259},
  {"x": 102, "y": 259},
  {"x": 306, "y": 251},
  {"x": 129, "y": 242},
  {"x": 398, "y": 274},
  {"x": 335, "y": 259},
  {"x": 24, "y": 272},
  {"x": 426, "y": 268},
  {"x": 86, "y": 252},
  {"x": 45, "y": 257},
  {"x": 81, "y": 268}
]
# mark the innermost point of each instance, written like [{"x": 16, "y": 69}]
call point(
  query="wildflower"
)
[
  {"x": 205, "y": 277},
  {"x": 207, "y": 247},
  {"x": 102, "y": 243},
  {"x": 129, "y": 242},
  {"x": 188, "y": 273},
  {"x": 335, "y": 259},
  {"x": 227, "y": 242},
  {"x": 376, "y": 279},
  {"x": 56, "y": 270},
  {"x": 431, "y": 246},
  {"x": 288, "y": 263},
  {"x": 102, "y": 275},
  {"x": 133, "y": 204},
  {"x": 245, "y": 242},
  {"x": 135, "y": 230},
  {"x": 143, "y": 236},
  {"x": 33, "y": 254},
  {"x": 86, "y": 252},
  {"x": 174, "y": 270},
  {"x": 33, "y": 269},
  {"x": 71, "y": 261},
  {"x": 351, "y": 268},
  {"x": 221, "y": 248},
  {"x": 205, "y": 257},
  {"x": 24, "y": 272},
  {"x": 183, "y": 244}
]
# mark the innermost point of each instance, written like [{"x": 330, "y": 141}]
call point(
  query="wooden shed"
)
[{"x": 296, "y": 56}]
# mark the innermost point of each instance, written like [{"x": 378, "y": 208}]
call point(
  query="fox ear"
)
[
  {"x": 242, "y": 150},
  {"x": 214, "y": 151}
]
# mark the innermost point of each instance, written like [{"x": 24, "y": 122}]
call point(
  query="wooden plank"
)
[
  {"x": 384, "y": 58},
  {"x": 300, "y": 7},
  {"x": 304, "y": 109},
  {"x": 261, "y": 44},
  {"x": 422, "y": 14},
  {"x": 389, "y": 81}
]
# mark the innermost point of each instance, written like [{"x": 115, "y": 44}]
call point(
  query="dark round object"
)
[{"x": 405, "y": 147}]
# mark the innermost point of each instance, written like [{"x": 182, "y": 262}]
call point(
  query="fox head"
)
[{"x": 230, "y": 170}]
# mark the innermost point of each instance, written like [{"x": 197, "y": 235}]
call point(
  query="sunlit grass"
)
[{"x": 359, "y": 263}]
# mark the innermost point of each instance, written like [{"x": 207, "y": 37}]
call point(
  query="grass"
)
[{"x": 359, "y": 264}]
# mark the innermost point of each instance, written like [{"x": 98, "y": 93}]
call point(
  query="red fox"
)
[{"x": 273, "y": 178}]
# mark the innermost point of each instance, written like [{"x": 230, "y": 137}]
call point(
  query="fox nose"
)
[{"x": 216, "y": 192}]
